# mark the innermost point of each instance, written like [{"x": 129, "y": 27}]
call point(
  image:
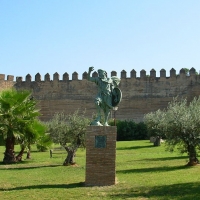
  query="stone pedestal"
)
[{"x": 100, "y": 155}]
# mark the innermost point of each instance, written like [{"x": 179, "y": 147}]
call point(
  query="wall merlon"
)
[
  {"x": 113, "y": 73},
  {"x": 123, "y": 74},
  {"x": 38, "y": 77},
  {"x": 28, "y": 78},
  {"x": 133, "y": 73},
  {"x": 142, "y": 73},
  {"x": 65, "y": 76},
  {"x": 172, "y": 72},
  {"x": 75, "y": 76},
  {"x": 2, "y": 76},
  {"x": 95, "y": 74},
  {"x": 183, "y": 74},
  {"x": 10, "y": 78},
  {"x": 56, "y": 76},
  {"x": 182, "y": 71},
  {"x": 153, "y": 73},
  {"x": 19, "y": 79},
  {"x": 192, "y": 71},
  {"x": 163, "y": 73},
  {"x": 84, "y": 76},
  {"x": 47, "y": 77}
]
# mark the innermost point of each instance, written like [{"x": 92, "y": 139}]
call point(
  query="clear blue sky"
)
[{"x": 49, "y": 36}]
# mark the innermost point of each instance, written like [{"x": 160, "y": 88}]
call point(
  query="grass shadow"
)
[
  {"x": 167, "y": 158},
  {"x": 163, "y": 158},
  {"x": 23, "y": 162},
  {"x": 135, "y": 147},
  {"x": 153, "y": 169},
  {"x": 183, "y": 191},
  {"x": 61, "y": 186},
  {"x": 61, "y": 152},
  {"x": 14, "y": 167}
]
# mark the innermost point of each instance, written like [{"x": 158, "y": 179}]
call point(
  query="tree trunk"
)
[
  {"x": 28, "y": 155},
  {"x": 193, "y": 160},
  {"x": 19, "y": 156},
  {"x": 70, "y": 156},
  {"x": 9, "y": 155},
  {"x": 157, "y": 141}
]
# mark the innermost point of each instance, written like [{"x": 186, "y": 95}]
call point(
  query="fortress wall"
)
[{"x": 140, "y": 94}]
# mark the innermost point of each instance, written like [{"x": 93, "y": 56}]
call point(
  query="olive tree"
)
[
  {"x": 180, "y": 124},
  {"x": 155, "y": 122},
  {"x": 69, "y": 131}
]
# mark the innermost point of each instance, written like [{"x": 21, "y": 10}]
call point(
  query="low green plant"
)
[{"x": 44, "y": 142}]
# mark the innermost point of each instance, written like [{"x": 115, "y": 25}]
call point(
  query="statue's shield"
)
[{"x": 116, "y": 97}]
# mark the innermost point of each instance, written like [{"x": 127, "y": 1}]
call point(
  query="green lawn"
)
[{"x": 142, "y": 171}]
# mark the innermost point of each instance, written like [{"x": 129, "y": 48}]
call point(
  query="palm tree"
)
[
  {"x": 31, "y": 135},
  {"x": 17, "y": 116}
]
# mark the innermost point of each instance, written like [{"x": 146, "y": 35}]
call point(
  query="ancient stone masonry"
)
[
  {"x": 140, "y": 94},
  {"x": 8, "y": 83}
]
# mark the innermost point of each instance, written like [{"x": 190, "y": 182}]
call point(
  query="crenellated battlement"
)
[
  {"x": 9, "y": 77},
  {"x": 123, "y": 75}
]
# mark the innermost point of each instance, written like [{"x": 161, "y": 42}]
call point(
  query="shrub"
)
[{"x": 130, "y": 130}]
